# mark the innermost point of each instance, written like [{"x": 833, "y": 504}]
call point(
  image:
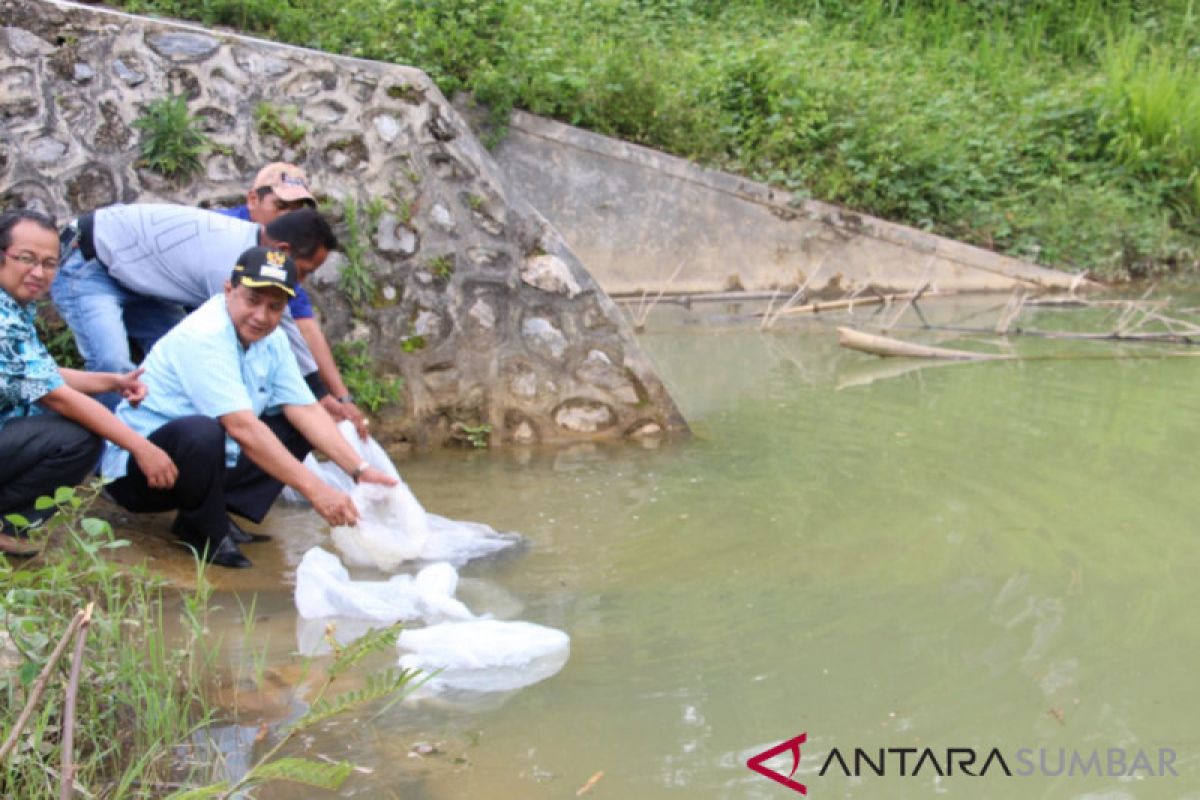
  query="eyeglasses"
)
[{"x": 30, "y": 260}]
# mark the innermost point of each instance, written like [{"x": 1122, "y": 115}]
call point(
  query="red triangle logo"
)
[{"x": 791, "y": 745}]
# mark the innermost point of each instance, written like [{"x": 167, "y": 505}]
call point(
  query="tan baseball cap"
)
[{"x": 287, "y": 181}]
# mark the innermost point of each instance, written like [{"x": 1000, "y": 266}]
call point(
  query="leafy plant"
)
[
  {"x": 357, "y": 278},
  {"x": 370, "y": 391},
  {"x": 442, "y": 267},
  {"x": 57, "y": 337},
  {"x": 172, "y": 141},
  {"x": 270, "y": 121},
  {"x": 478, "y": 436},
  {"x": 139, "y": 693}
]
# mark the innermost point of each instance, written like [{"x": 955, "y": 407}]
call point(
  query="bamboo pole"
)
[
  {"x": 889, "y": 347},
  {"x": 39, "y": 686},
  {"x": 67, "y": 788}
]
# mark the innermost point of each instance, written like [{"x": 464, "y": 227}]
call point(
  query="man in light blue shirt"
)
[{"x": 232, "y": 409}]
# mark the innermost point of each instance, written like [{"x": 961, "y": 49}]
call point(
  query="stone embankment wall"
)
[
  {"x": 646, "y": 221},
  {"x": 474, "y": 299}
]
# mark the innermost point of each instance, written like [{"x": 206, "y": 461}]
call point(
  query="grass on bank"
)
[
  {"x": 1066, "y": 131},
  {"x": 147, "y": 676},
  {"x": 140, "y": 692}
]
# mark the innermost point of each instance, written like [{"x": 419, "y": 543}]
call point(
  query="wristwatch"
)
[
  {"x": 359, "y": 470},
  {"x": 346, "y": 398}
]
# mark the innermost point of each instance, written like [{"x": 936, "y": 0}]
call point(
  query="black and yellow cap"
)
[{"x": 265, "y": 267}]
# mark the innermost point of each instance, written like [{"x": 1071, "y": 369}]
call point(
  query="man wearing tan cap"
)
[{"x": 279, "y": 188}]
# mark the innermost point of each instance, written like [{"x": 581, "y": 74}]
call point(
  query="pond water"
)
[{"x": 987, "y": 555}]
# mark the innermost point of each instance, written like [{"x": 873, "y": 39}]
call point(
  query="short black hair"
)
[
  {"x": 305, "y": 230},
  {"x": 9, "y": 220}
]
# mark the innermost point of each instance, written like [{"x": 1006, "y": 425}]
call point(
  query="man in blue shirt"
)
[
  {"x": 278, "y": 189},
  {"x": 229, "y": 404},
  {"x": 50, "y": 430}
]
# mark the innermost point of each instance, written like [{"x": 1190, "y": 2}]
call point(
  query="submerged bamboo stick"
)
[{"x": 889, "y": 347}]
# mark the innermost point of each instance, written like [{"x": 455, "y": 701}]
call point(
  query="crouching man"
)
[{"x": 228, "y": 403}]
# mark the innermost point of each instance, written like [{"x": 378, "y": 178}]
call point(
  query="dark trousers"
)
[
  {"x": 206, "y": 489},
  {"x": 38, "y": 454}
]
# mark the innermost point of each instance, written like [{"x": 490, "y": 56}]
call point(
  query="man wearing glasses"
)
[{"x": 50, "y": 430}]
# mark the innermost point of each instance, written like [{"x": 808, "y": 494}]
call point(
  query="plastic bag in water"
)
[
  {"x": 324, "y": 589},
  {"x": 394, "y": 527},
  {"x": 485, "y": 655}
]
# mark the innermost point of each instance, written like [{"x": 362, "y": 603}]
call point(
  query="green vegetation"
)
[
  {"x": 1062, "y": 130},
  {"x": 57, "y": 337},
  {"x": 357, "y": 279},
  {"x": 389, "y": 685},
  {"x": 270, "y": 121},
  {"x": 370, "y": 391},
  {"x": 477, "y": 436},
  {"x": 442, "y": 267},
  {"x": 172, "y": 141},
  {"x": 139, "y": 691}
]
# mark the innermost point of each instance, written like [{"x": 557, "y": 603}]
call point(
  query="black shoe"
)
[
  {"x": 240, "y": 536},
  {"x": 227, "y": 554}
]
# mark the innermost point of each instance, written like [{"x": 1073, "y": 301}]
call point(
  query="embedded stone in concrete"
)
[
  {"x": 182, "y": 81},
  {"x": 388, "y": 127},
  {"x": 581, "y": 415},
  {"x": 482, "y": 312},
  {"x": 222, "y": 168},
  {"x": 550, "y": 274},
  {"x": 522, "y": 380},
  {"x": 348, "y": 154},
  {"x": 91, "y": 188},
  {"x": 519, "y": 428},
  {"x": 362, "y": 90},
  {"x": 645, "y": 429},
  {"x": 46, "y": 150},
  {"x": 428, "y": 324},
  {"x": 224, "y": 87},
  {"x": 488, "y": 257},
  {"x": 447, "y": 166},
  {"x": 325, "y": 112},
  {"x": 82, "y": 73},
  {"x": 128, "y": 70},
  {"x": 182, "y": 46},
  {"x": 24, "y": 43},
  {"x": 442, "y": 218},
  {"x": 214, "y": 120},
  {"x": 392, "y": 236},
  {"x": 441, "y": 378},
  {"x": 440, "y": 128},
  {"x": 310, "y": 84},
  {"x": 257, "y": 63},
  {"x": 544, "y": 337},
  {"x": 27, "y": 194}
]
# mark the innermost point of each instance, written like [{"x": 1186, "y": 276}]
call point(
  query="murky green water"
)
[{"x": 983, "y": 555}]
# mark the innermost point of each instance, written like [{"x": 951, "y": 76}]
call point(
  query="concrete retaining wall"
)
[{"x": 634, "y": 216}]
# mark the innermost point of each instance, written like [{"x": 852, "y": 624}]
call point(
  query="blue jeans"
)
[{"x": 104, "y": 316}]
